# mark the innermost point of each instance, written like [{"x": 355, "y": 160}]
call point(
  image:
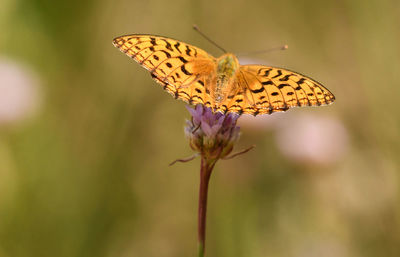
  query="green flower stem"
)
[{"x": 205, "y": 173}]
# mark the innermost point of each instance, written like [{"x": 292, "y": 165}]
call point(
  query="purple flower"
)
[{"x": 211, "y": 134}]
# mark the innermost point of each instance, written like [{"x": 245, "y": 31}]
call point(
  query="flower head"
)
[{"x": 211, "y": 134}]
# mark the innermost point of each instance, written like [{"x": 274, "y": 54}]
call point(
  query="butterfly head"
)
[{"x": 227, "y": 64}]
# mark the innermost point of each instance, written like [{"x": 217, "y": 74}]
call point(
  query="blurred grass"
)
[{"x": 88, "y": 175}]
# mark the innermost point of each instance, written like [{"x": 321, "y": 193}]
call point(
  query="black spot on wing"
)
[
  {"x": 261, "y": 103},
  {"x": 259, "y": 90},
  {"x": 182, "y": 59},
  {"x": 166, "y": 53},
  {"x": 176, "y": 45},
  {"x": 269, "y": 82},
  {"x": 184, "y": 70},
  {"x": 301, "y": 81},
  {"x": 198, "y": 97},
  {"x": 188, "y": 50},
  {"x": 266, "y": 72},
  {"x": 183, "y": 92},
  {"x": 277, "y": 75},
  {"x": 168, "y": 45},
  {"x": 285, "y": 78},
  {"x": 283, "y": 85}
]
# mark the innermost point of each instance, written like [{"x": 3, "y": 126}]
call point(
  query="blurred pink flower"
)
[
  {"x": 312, "y": 139},
  {"x": 19, "y": 96}
]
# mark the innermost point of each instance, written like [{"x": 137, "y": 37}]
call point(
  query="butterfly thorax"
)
[{"x": 227, "y": 66}]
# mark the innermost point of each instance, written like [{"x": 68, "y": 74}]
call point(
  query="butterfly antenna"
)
[
  {"x": 284, "y": 47},
  {"x": 208, "y": 39}
]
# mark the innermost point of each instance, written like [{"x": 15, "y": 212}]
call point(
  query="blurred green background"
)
[{"x": 86, "y": 136}]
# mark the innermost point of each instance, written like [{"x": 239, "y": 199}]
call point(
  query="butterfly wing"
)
[
  {"x": 183, "y": 70},
  {"x": 264, "y": 90}
]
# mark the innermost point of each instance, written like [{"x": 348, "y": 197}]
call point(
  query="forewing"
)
[
  {"x": 182, "y": 69},
  {"x": 268, "y": 89}
]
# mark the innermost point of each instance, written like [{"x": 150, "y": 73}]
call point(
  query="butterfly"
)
[{"x": 222, "y": 84}]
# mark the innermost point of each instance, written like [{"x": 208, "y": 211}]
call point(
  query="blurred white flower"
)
[
  {"x": 312, "y": 139},
  {"x": 19, "y": 96}
]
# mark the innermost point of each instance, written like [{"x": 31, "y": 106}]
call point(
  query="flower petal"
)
[{"x": 206, "y": 128}]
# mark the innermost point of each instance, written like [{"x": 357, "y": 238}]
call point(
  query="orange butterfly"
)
[{"x": 194, "y": 76}]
